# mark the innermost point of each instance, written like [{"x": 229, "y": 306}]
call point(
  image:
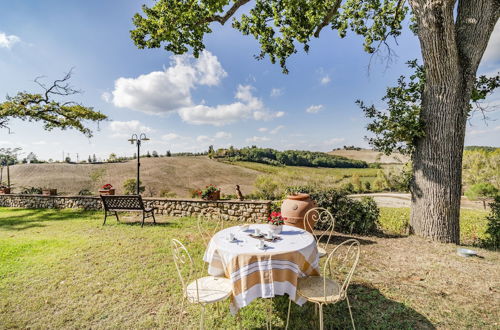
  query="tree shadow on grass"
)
[
  {"x": 370, "y": 309},
  {"x": 339, "y": 238},
  {"x": 34, "y": 218}
]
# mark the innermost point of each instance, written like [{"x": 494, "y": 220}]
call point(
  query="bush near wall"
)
[{"x": 351, "y": 216}]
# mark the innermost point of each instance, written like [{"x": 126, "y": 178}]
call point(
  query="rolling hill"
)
[{"x": 178, "y": 174}]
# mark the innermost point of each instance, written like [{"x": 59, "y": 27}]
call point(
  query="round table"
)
[{"x": 262, "y": 273}]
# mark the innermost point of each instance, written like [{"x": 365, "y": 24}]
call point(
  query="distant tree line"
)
[{"x": 288, "y": 157}]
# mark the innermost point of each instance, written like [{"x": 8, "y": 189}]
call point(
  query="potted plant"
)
[
  {"x": 276, "y": 221},
  {"x": 107, "y": 189},
  {"x": 4, "y": 189},
  {"x": 49, "y": 192},
  {"x": 210, "y": 193}
]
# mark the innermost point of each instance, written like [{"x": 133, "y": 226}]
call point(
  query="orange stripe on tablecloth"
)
[
  {"x": 295, "y": 257},
  {"x": 264, "y": 277}
]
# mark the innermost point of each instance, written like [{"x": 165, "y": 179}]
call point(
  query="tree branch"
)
[
  {"x": 223, "y": 19},
  {"x": 328, "y": 17}
]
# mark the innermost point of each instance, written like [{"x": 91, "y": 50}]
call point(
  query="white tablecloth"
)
[{"x": 257, "y": 273}]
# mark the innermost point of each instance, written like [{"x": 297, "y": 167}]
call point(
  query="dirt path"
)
[{"x": 404, "y": 200}]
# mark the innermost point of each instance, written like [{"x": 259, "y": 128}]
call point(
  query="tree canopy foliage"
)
[
  {"x": 288, "y": 157},
  {"x": 398, "y": 128},
  {"x": 280, "y": 27},
  {"x": 45, "y": 108}
]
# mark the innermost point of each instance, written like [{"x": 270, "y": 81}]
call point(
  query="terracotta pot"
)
[
  {"x": 213, "y": 196},
  {"x": 5, "y": 191},
  {"x": 49, "y": 192},
  {"x": 107, "y": 191},
  {"x": 294, "y": 208}
]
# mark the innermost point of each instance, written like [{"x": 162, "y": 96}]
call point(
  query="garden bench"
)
[{"x": 114, "y": 203}]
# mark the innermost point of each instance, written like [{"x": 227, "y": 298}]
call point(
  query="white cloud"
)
[
  {"x": 223, "y": 135},
  {"x": 127, "y": 128},
  {"x": 333, "y": 141},
  {"x": 483, "y": 131},
  {"x": 263, "y": 129},
  {"x": 204, "y": 139},
  {"x": 171, "y": 137},
  {"x": 275, "y": 92},
  {"x": 160, "y": 92},
  {"x": 167, "y": 91},
  {"x": 325, "y": 80},
  {"x": 492, "y": 53},
  {"x": 277, "y": 129},
  {"x": 246, "y": 106},
  {"x": 257, "y": 139},
  {"x": 107, "y": 97},
  {"x": 39, "y": 143},
  {"x": 7, "y": 41},
  {"x": 314, "y": 108}
]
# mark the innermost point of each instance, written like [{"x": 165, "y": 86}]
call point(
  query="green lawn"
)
[
  {"x": 63, "y": 269},
  {"x": 473, "y": 223}
]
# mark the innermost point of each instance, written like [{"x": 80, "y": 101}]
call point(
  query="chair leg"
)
[
  {"x": 288, "y": 313},
  {"x": 321, "y": 326},
  {"x": 153, "y": 214},
  {"x": 238, "y": 319},
  {"x": 202, "y": 318},
  {"x": 143, "y": 218},
  {"x": 116, "y": 215},
  {"x": 105, "y": 216},
  {"x": 269, "y": 315},
  {"x": 350, "y": 312}
]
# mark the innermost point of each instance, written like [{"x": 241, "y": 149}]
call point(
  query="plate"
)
[{"x": 256, "y": 236}]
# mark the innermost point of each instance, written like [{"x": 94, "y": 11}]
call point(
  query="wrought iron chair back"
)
[
  {"x": 209, "y": 222},
  {"x": 185, "y": 266},
  {"x": 340, "y": 266},
  {"x": 324, "y": 218}
]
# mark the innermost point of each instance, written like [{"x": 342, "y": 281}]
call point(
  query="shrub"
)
[
  {"x": 481, "y": 191},
  {"x": 493, "y": 230},
  {"x": 129, "y": 187},
  {"x": 32, "y": 190},
  {"x": 167, "y": 193},
  {"x": 351, "y": 216},
  {"x": 368, "y": 186},
  {"x": 266, "y": 188},
  {"x": 356, "y": 182},
  {"x": 84, "y": 192},
  {"x": 195, "y": 193}
]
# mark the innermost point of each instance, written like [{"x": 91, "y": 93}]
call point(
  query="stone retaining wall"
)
[{"x": 250, "y": 211}]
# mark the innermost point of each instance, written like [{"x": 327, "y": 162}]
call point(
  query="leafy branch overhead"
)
[
  {"x": 279, "y": 26},
  {"x": 45, "y": 108},
  {"x": 399, "y": 127}
]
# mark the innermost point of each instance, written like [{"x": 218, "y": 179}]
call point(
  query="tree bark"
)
[{"x": 451, "y": 52}]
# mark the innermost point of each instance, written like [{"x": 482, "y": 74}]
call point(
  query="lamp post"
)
[{"x": 137, "y": 140}]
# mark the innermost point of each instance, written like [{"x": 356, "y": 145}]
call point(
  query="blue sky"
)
[{"x": 224, "y": 98}]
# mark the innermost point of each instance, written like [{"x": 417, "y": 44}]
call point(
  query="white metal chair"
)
[
  {"x": 324, "y": 218},
  {"x": 332, "y": 286},
  {"x": 209, "y": 222},
  {"x": 203, "y": 291}
]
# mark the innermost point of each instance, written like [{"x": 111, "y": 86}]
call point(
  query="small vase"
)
[
  {"x": 276, "y": 228},
  {"x": 49, "y": 192},
  {"x": 107, "y": 191}
]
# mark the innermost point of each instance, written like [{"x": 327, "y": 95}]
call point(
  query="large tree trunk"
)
[{"x": 451, "y": 52}]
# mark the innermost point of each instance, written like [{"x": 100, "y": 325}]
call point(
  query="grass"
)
[
  {"x": 285, "y": 176},
  {"x": 473, "y": 223},
  {"x": 63, "y": 269}
]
